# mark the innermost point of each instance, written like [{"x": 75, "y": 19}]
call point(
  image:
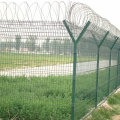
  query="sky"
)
[{"x": 109, "y": 9}]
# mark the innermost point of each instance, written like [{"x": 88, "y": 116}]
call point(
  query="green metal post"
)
[
  {"x": 94, "y": 38},
  {"x": 75, "y": 60},
  {"x": 109, "y": 72},
  {"x": 97, "y": 72},
  {"x": 74, "y": 79},
  {"x": 83, "y": 31},
  {"x": 69, "y": 31}
]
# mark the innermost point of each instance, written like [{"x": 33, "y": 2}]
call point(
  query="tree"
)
[
  {"x": 46, "y": 45},
  {"x": 56, "y": 46},
  {"x": 38, "y": 48},
  {"x": 31, "y": 42},
  {"x": 7, "y": 45},
  {"x": 18, "y": 42},
  {"x": 67, "y": 47}
]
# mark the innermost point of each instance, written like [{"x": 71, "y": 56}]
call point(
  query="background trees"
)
[
  {"x": 31, "y": 43},
  {"x": 18, "y": 42},
  {"x": 58, "y": 46}
]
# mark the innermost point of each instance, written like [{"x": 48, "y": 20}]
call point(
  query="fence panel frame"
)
[
  {"x": 97, "y": 70},
  {"x": 75, "y": 59},
  {"x": 109, "y": 71}
]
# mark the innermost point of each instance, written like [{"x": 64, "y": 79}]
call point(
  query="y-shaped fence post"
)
[
  {"x": 109, "y": 72},
  {"x": 97, "y": 72},
  {"x": 75, "y": 60}
]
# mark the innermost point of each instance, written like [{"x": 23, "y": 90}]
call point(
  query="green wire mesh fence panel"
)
[
  {"x": 103, "y": 73},
  {"x": 117, "y": 54},
  {"x": 73, "y": 31},
  {"x": 113, "y": 75},
  {"x": 35, "y": 70},
  {"x": 86, "y": 75},
  {"x": 85, "y": 71},
  {"x": 118, "y": 65},
  {"x": 93, "y": 67}
]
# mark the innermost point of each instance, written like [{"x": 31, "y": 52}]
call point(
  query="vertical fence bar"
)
[
  {"x": 75, "y": 60},
  {"x": 116, "y": 85},
  {"x": 74, "y": 67},
  {"x": 109, "y": 72},
  {"x": 74, "y": 79},
  {"x": 97, "y": 72}
]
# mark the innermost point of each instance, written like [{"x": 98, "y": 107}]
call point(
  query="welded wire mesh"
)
[
  {"x": 86, "y": 75},
  {"x": 38, "y": 68},
  {"x": 87, "y": 69},
  {"x": 36, "y": 60}
]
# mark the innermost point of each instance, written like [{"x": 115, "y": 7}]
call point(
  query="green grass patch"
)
[
  {"x": 102, "y": 114},
  {"x": 114, "y": 99},
  {"x": 19, "y": 60},
  {"x": 107, "y": 114},
  {"x": 49, "y": 98}
]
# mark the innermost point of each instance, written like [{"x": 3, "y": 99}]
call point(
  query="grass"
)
[
  {"x": 38, "y": 98},
  {"x": 49, "y": 98},
  {"x": 19, "y": 60},
  {"x": 103, "y": 113}
]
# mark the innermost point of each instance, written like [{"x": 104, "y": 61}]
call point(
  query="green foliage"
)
[
  {"x": 114, "y": 99},
  {"x": 39, "y": 98},
  {"x": 18, "y": 42},
  {"x": 31, "y": 42},
  {"x": 102, "y": 114},
  {"x": 58, "y": 46},
  {"x": 4, "y": 45},
  {"x": 46, "y": 45},
  {"x": 15, "y": 60},
  {"x": 48, "y": 98},
  {"x": 106, "y": 114}
]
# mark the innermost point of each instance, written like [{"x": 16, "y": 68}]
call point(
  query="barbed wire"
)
[
  {"x": 76, "y": 13},
  {"x": 80, "y": 13}
]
